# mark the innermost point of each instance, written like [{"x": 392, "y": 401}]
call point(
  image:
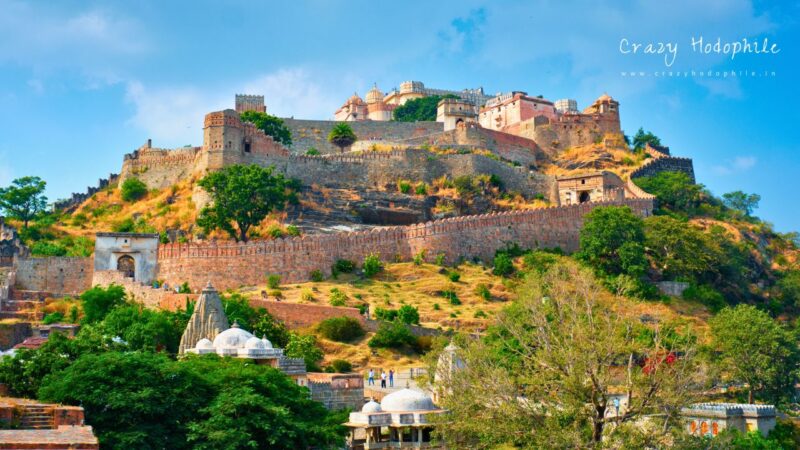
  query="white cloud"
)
[
  {"x": 173, "y": 115},
  {"x": 738, "y": 164}
]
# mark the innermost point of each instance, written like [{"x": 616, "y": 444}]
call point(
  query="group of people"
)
[{"x": 384, "y": 378}]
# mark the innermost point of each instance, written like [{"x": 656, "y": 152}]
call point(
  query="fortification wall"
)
[
  {"x": 298, "y": 315},
  {"x": 234, "y": 265},
  {"x": 79, "y": 197},
  {"x": 159, "y": 168},
  {"x": 663, "y": 162},
  {"x": 57, "y": 275},
  {"x": 314, "y": 133}
]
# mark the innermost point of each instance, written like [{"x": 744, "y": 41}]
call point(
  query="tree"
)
[
  {"x": 99, "y": 301},
  {"x": 679, "y": 249},
  {"x": 341, "y": 329},
  {"x": 133, "y": 189},
  {"x": 241, "y": 197},
  {"x": 24, "y": 199},
  {"x": 419, "y": 109},
  {"x": 143, "y": 329},
  {"x": 756, "y": 350},
  {"x": 742, "y": 202},
  {"x": 408, "y": 314},
  {"x": 612, "y": 240},
  {"x": 674, "y": 190},
  {"x": 546, "y": 373},
  {"x": 642, "y": 138},
  {"x": 270, "y": 125},
  {"x": 342, "y": 136},
  {"x": 305, "y": 346}
]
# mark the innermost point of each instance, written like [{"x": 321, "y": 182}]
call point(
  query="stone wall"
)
[
  {"x": 58, "y": 275},
  {"x": 337, "y": 390},
  {"x": 159, "y": 168},
  {"x": 77, "y": 198},
  {"x": 663, "y": 162},
  {"x": 314, "y": 133},
  {"x": 12, "y": 334},
  {"x": 143, "y": 293},
  {"x": 297, "y": 315},
  {"x": 233, "y": 265}
]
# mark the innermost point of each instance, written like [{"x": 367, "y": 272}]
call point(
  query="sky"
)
[{"x": 84, "y": 82}]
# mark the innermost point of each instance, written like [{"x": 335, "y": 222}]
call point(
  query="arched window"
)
[{"x": 127, "y": 266}]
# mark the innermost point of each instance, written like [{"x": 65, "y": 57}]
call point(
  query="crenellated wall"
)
[
  {"x": 233, "y": 265},
  {"x": 159, "y": 168},
  {"x": 314, "y": 133},
  {"x": 663, "y": 162}
]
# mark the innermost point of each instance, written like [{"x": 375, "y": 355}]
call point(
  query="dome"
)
[
  {"x": 204, "y": 344},
  {"x": 355, "y": 99},
  {"x": 407, "y": 400},
  {"x": 604, "y": 98},
  {"x": 231, "y": 339},
  {"x": 267, "y": 343},
  {"x": 371, "y": 407},
  {"x": 255, "y": 343},
  {"x": 374, "y": 95}
]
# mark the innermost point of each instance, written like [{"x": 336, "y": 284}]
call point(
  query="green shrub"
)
[
  {"x": 436, "y": 307},
  {"x": 408, "y": 314},
  {"x": 404, "y": 186},
  {"x": 421, "y": 189},
  {"x": 312, "y": 151},
  {"x": 45, "y": 248},
  {"x": 184, "y": 288},
  {"x": 123, "y": 226},
  {"x": 479, "y": 314},
  {"x": 706, "y": 295},
  {"x": 440, "y": 259},
  {"x": 54, "y": 317},
  {"x": 451, "y": 296},
  {"x": 273, "y": 281},
  {"x": 275, "y": 293},
  {"x": 372, "y": 265},
  {"x": 133, "y": 189},
  {"x": 482, "y": 291},
  {"x": 503, "y": 265},
  {"x": 307, "y": 295},
  {"x": 344, "y": 266},
  {"x": 384, "y": 314},
  {"x": 341, "y": 329},
  {"x": 453, "y": 276},
  {"x": 419, "y": 258},
  {"x": 539, "y": 260},
  {"x": 275, "y": 232},
  {"x": 341, "y": 366},
  {"x": 337, "y": 298},
  {"x": 292, "y": 230},
  {"x": 317, "y": 276},
  {"x": 392, "y": 335}
]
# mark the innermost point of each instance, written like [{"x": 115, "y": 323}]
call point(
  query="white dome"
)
[
  {"x": 232, "y": 338},
  {"x": 204, "y": 344},
  {"x": 371, "y": 407},
  {"x": 254, "y": 343},
  {"x": 407, "y": 400},
  {"x": 267, "y": 343}
]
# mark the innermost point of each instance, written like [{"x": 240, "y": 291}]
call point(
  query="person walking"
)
[
  {"x": 383, "y": 379},
  {"x": 371, "y": 378},
  {"x": 391, "y": 377}
]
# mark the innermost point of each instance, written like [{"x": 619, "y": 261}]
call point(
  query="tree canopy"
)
[
  {"x": 675, "y": 191},
  {"x": 642, "y": 138},
  {"x": 133, "y": 189},
  {"x": 742, "y": 202},
  {"x": 419, "y": 109},
  {"x": 24, "y": 199},
  {"x": 342, "y": 135},
  {"x": 242, "y": 196},
  {"x": 270, "y": 125},
  {"x": 612, "y": 240}
]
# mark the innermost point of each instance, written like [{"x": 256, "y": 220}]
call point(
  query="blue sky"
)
[{"x": 82, "y": 83}]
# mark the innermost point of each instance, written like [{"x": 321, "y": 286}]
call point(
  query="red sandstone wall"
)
[
  {"x": 296, "y": 315},
  {"x": 234, "y": 265}
]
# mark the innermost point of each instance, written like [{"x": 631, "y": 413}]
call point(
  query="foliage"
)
[
  {"x": 242, "y": 196},
  {"x": 144, "y": 329},
  {"x": 344, "y": 266},
  {"x": 48, "y": 248},
  {"x": 54, "y": 317},
  {"x": 312, "y": 152},
  {"x": 706, "y": 295},
  {"x": 99, "y": 301},
  {"x": 342, "y": 135},
  {"x": 270, "y": 125},
  {"x": 451, "y": 297},
  {"x": 24, "y": 199},
  {"x": 680, "y": 250},
  {"x": 419, "y": 257},
  {"x": 419, "y": 109},
  {"x": 503, "y": 264},
  {"x": 641, "y": 138},
  {"x": 317, "y": 276},
  {"x": 453, "y": 276},
  {"x": 341, "y": 366},
  {"x": 338, "y": 297},
  {"x": 305, "y": 347},
  {"x": 404, "y": 186},
  {"x": 256, "y": 320},
  {"x": 293, "y": 230},
  {"x": 408, "y": 314},
  {"x": 756, "y": 350},
  {"x": 384, "y": 314},
  {"x": 132, "y": 189},
  {"x": 482, "y": 291},
  {"x": 274, "y": 281},
  {"x": 421, "y": 189},
  {"x": 675, "y": 191},
  {"x": 392, "y": 335},
  {"x": 612, "y": 241},
  {"x": 789, "y": 288},
  {"x": 559, "y": 345},
  {"x": 372, "y": 265},
  {"x": 540, "y": 260},
  {"x": 742, "y": 202},
  {"x": 341, "y": 329}
]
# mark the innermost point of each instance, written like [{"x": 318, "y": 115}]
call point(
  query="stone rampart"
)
[
  {"x": 59, "y": 275},
  {"x": 314, "y": 133},
  {"x": 158, "y": 167},
  {"x": 299, "y": 315},
  {"x": 663, "y": 162},
  {"x": 145, "y": 294},
  {"x": 233, "y": 265},
  {"x": 79, "y": 197}
]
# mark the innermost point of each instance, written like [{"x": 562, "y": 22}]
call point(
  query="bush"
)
[
  {"x": 482, "y": 291},
  {"x": 125, "y": 225},
  {"x": 503, "y": 265},
  {"x": 436, "y": 307},
  {"x": 453, "y": 276},
  {"x": 317, "y": 276},
  {"x": 307, "y": 296},
  {"x": 341, "y": 366},
  {"x": 184, "y": 288},
  {"x": 337, "y": 298},
  {"x": 392, "y": 335},
  {"x": 45, "y": 248},
  {"x": 451, "y": 296},
  {"x": 419, "y": 258},
  {"x": 539, "y": 260},
  {"x": 292, "y": 230},
  {"x": 408, "y": 314},
  {"x": 54, "y": 317},
  {"x": 312, "y": 151},
  {"x": 133, "y": 189},
  {"x": 305, "y": 346},
  {"x": 275, "y": 293},
  {"x": 706, "y": 295},
  {"x": 341, "y": 329},
  {"x": 387, "y": 315},
  {"x": 275, "y": 232},
  {"x": 404, "y": 186},
  {"x": 274, "y": 281},
  {"x": 372, "y": 265},
  {"x": 99, "y": 301},
  {"x": 479, "y": 314},
  {"x": 440, "y": 259},
  {"x": 344, "y": 266},
  {"x": 421, "y": 189}
]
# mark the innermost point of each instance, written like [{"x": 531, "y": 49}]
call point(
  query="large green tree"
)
[
  {"x": 419, "y": 109},
  {"x": 642, "y": 138},
  {"x": 342, "y": 135},
  {"x": 242, "y": 196},
  {"x": 98, "y": 301},
  {"x": 270, "y": 125},
  {"x": 612, "y": 240},
  {"x": 756, "y": 350},
  {"x": 680, "y": 250},
  {"x": 674, "y": 190},
  {"x": 741, "y": 201},
  {"x": 546, "y": 373},
  {"x": 24, "y": 199}
]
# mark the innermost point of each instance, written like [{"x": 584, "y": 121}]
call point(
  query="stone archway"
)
[
  {"x": 127, "y": 266},
  {"x": 583, "y": 197}
]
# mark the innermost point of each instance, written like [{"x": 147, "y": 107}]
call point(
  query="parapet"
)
[{"x": 729, "y": 410}]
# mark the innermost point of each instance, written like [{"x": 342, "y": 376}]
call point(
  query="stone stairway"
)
[
  {"x": 36, "y": 417},
  {"x": 22, "y": 309}
]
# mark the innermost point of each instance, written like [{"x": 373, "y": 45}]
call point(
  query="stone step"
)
[
  {"x": 20, "y": 294},
  {"x": 21, "y": 305},
  {"x": 22, "y": 315}
]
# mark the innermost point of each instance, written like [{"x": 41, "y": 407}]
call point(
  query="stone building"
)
[
  {"x": 337, "y": 391},
  {"x": 28, "y": 424},
  {"x": 507, "y": 111},
  {"x": 207, "y": 321},
  {"x": 355, "y": 108},
  {"x": 709, "y": 419},
  {"x": 590, "y": 187},
  {"x": 250, "y": 103},
  {"x": 454, "y": 112},
  {"x": 566, "y": 105},
  {"x": 133, "y": 254},
  {"x": 400, "y": 420}
]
